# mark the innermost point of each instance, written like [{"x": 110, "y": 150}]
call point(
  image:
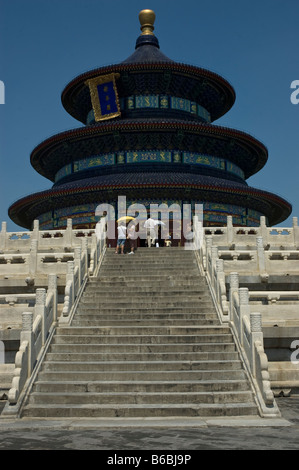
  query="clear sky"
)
[{"x": 44, "y": 44}]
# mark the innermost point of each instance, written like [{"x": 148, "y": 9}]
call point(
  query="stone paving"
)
[{"x": 211, "y": 434}]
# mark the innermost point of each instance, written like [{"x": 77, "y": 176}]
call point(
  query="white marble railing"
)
[
  {"x": 39, "y": 326},
  {"x": 247, "y": 327},
  {"x": 235, "y": 310},
  {"x": 260, "y": 261},
  {"x": 34, "y": 263},
  {"x": 78, "y": 275},
  {"x": 273, "y": 237},
  {"x": 44, "y": 239}
]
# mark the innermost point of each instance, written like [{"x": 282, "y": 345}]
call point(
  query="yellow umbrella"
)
[{"x": 126, "y": 219}]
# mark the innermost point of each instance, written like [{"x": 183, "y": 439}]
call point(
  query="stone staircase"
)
[{"x": 145, "y": 342}]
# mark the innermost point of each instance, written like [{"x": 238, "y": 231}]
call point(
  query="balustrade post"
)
[
  {"x": 68, "y": 234},
  {"x": 214, "y": 253},
  {"x": 209, "y": 241},
  {"x": 229, "y": 231},
  {"x": 214, "y": 257},
  {"x": 221, "y": 287},
  {"x": 84, "y": 244},
  {"x": 70, "y": 277},
  {"x": 35, "y": 231},
  {"x": 263, "y": 230},
  {"x": 244, "y": 310},
  {"x": 33, "y": 257},
  {"x": 40, "y": 309},
  {"x": 27, "y": 335},
  {"x": 93, "y": 254},
  {"x": 208, "y": 247},
  {"x": 219, "y": 265},
  {"x": 52, "y": 283},
  {"x": 256, "y": 335},
  {"x": 261, "y": 259},
  {"x": 77, "y": 261},
  {"x": 233, "y": 287}
]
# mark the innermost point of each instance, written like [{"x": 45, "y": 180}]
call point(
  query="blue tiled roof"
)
[
  {"x": 147, "y": 50},
  {"x": 151, "y": 178}
]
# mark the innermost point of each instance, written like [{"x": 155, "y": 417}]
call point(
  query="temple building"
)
[
  {"x": 148, "y": 134},
  {"x": 174, "y": 333}
]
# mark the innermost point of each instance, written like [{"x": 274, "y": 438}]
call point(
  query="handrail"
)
[
  {"x": 37, "y": 330},
  {"x": 246, "y": 327},
  {"x": 40, "y": 325}
]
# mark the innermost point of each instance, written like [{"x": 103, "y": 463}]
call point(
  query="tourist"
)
[
  {"x": 132, "y": 237},
  {"x": 121, "y": 237},
  {"x": 150, "y": 225}
]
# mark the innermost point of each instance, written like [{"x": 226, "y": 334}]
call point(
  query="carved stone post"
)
[
  {"x": 214, "y": 252},
  {"x": 233, "y": 287},
  {"x": 244, "y": 310},
  {"x": 263, "y": 229},
  {"x": 229, "y": 231},
  {"x": 70, "y": 278},
  {"x": 219, "y": 265},
  {"x": 33, "y": 258},
  {"x": 256, "y": 335},
  {"x": 40, "y": 309},
  {"x": 261, "y": 259},
  {"x": 77, "y": 261},
  {"x": 35, "y": 231},
  {"x": 27, "y": 335},
  {"x": 68, "y": 233},
  {"x": 84, "y": 244},
  {"x": 208, "y": 246},
  {"x": 52, "y": 283},
  {"x": 221, "y": 286}
]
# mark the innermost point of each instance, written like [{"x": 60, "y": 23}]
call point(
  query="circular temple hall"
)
[{"x": 148, "y": 134}]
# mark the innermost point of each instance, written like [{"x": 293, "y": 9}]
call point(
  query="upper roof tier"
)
[{"x": 149, "y": 72}]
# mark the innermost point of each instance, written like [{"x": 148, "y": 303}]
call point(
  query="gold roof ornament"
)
[{"x": 147, "y": 19}]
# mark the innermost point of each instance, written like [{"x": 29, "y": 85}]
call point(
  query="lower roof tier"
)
[{"x": 150, "y": 187}]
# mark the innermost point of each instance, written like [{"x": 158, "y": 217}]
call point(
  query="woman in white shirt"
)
[
  {"x": 132, "y": 237},
  {"x": 121, "y": 238}
]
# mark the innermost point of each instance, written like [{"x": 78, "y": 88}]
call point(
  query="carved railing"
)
[
  {"x": 273, "y": 237},
  {"x": 235, "y": 310},
  {"x": 78, "y": 275},
  {"x": 247, "y": 328},
  {"x": 39, "y": 325},
  {"x": 37, "y": 330},
  {"x": 56, "y": 240}
]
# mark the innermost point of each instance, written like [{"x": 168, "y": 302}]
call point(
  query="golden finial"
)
[{"x": 147, "y": 19}]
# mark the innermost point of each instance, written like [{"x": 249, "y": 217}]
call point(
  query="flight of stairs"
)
[{"x": 145, "y": 342}]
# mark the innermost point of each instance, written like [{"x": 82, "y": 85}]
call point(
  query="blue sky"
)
[{"x": 44, "y": 44}]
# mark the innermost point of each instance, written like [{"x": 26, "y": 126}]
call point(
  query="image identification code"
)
[{"x": 163, "y": 459}]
